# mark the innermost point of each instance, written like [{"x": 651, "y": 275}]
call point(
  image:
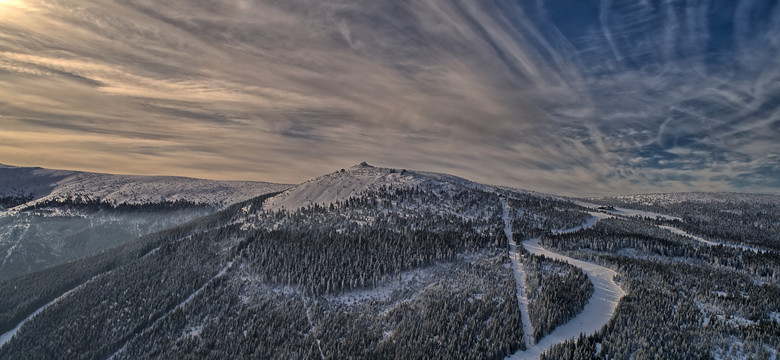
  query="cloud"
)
[{"x": 561, "y": 96}]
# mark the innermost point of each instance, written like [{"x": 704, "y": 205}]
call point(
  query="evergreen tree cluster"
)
[
  {"x": 466, "y": 310},
  {"x": 681, "y": 302},
  {"x": 557, "y": 291},
  {"x": 641, "y": 239},
  {"x": 537, "y": 215},
  {"x": 9, "y": 201},
  {"x": 184, "y": 293},
  {"x": 735, "y": 221},
  {"x": 22, "y": 295},
  {"x": 420, "y": 272},
  {"x": 111, "y": 308}
]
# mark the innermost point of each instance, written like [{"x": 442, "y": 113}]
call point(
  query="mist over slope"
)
[{"x": 48, "y": 217}]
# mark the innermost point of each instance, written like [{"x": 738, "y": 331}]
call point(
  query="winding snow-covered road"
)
[{"x": 596, "y": 312}]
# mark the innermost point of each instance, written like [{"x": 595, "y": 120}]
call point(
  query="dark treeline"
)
[
  {"x": 9, "y": 201},
  {"x": 91, "y": 204},
  {"x": 326, "y": 261}
]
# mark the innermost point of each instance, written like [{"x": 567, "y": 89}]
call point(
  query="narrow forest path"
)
[
  {"x": 517, "y": 270},
  {"x": 177, "y": 307},
  {"x": 596, "y": 312}
]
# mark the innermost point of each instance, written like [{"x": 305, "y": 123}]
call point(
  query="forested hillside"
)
[
  {"x": 684, "y": 299},
  {"x": 397, "y": 264}
]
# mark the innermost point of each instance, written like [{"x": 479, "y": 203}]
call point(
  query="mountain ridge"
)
[{"x": 40, "y": 184}]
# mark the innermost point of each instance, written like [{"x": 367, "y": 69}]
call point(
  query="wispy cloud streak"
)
[{"x": 564, "y": 96}]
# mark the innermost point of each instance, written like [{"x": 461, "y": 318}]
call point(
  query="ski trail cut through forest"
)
[
  {"x": 596, "y": 313},
  {"x": 517, "y": 271},
  {"x": 10, "y": 334},
  {"x": 5, "y": 338},
  {"x": 677, "y": 231},
  {"x": 179, "y": 306}
]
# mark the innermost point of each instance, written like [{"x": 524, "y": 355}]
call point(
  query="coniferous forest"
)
[{"x": 416, "y": 272}]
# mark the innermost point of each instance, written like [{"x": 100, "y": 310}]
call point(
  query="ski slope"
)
[
  {"x": 517, "y": 271},
  {"x": 596, "y": 312},
  {"x": 621, "y": 211}
]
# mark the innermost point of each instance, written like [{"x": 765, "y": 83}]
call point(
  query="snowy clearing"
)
[
  {"x": 313, "y": 329},
  {"x": 595, "y": 217}
]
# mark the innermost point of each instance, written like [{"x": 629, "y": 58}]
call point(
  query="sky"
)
[{"x": 570, "y": 97}]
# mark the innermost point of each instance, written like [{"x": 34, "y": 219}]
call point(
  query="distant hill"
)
[
  {"x": 48, "y": 217},
  {"x": 38, "y": 184}
]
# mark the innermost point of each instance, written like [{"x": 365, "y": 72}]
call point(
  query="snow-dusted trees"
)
[
  {"x": 279, "y": 270},
  {"x": 557, "y": 291},
  {"x": 734, "y": 218},
  {"x": 683, "y": 299}
]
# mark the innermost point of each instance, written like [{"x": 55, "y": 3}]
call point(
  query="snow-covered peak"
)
[
  {"x": 362, "y": 165},
  {"x": 44, "y": 184},
  {"x": 345, "y": 183}
]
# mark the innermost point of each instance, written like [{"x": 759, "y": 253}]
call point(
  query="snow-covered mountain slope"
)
[
  {"x": 346, "y": 183},
  {"x": 359, "y": 278},
  {"x": 43, "y": 184},
  {"x": 56, "y": 230}
]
